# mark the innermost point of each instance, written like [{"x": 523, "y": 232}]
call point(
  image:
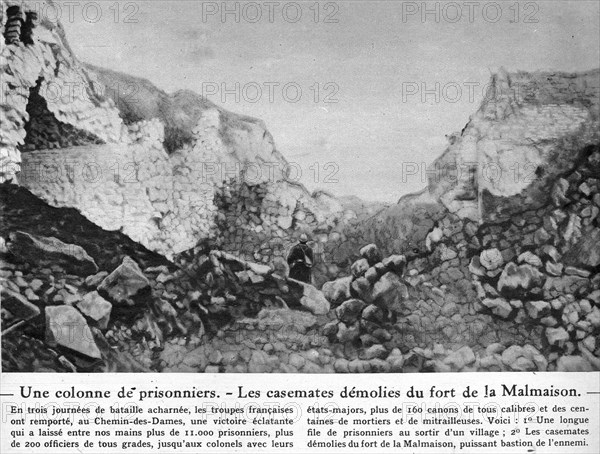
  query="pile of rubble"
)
[
  {"x": 67, "y": 284},
  {"x": 263, "y": 221},
  {"x": 481, "y": 274},
  {"x": 235, "y": 287},
  {"x": 541, "y": 268},
  {"x": 384, "y": 313},
  {"x": 93, "y": 302},
  {"x": 53, "y": 292},
  {"x": 88, "y": 305}
]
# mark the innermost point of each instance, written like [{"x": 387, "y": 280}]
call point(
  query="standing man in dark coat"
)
[{"x": 300, "y": 260}]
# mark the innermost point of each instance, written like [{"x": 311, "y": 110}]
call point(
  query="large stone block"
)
[
  {"x": 124, "y": 283},
  {"x": 96, "y": 308},
  {"x": 537, "y": 309},
  {"x": 350, "y": 311},
  {"x": 390, "y": 292},
  {"x": 491, "y": 259},
  {"x": 337, "y": 291},
  {"x": 573, "y": 364},
  {"x": 526, "y": 358},
  {"x": 519, "y": 280},
  {"x": 460, "y": 358},
  {"x": 371, "y": 253},
  {"x": 307, "y": 296},
  {"x": 66, "y": 327},
  {"x": 586, "y": 252},
  {"x": 359, "y": 268},
  {"x": 557, "y": 336},
  {"x": 361, "y": 288},
  {"x": 498, "y": 306},
  {"x": 40, "y": 250},
  {"x": 395, "y": 263},
  {"x": 17, "y": 304},
  {"x": 348, "y": 333}
]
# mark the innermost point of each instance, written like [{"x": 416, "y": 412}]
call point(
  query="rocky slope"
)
[
  {"x": 120, "y": 307},
  {"x": 511, "y": 239},
  {"x": 151, "y": 236}
]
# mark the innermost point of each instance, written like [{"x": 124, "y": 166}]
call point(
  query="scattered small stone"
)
[
  {"x": 341, "y": 366},
  {"x": 460, "y": 358},
  {"x": 67, "y": 364},
  {"x": 557, "y": 336},
  {"x": 498, "y": 306},
  {"x": 475, "y": 266},
  {"x": 94, "y": 280},
  {"x": 20, "y": 282},
  {"x": 374, "y": 351},
  {"x": 348, "y": 333},
  {"x": 215, "y": 357},
  {"x": 573, "y": 271},
  {"x": 330, "y": 329},
  {"x": 297, "y": 360},
  {"x": 36, "y": 285},
  {"x": 395, "y": 263},
  {"x": 519, "y": 279},
  {"x": 554, "y": 269},
  {"x": 491, "y": 259},
  {"x": 367, "y": 340},
  {"x": 585, "y": 188},
  {"x": 373, "y": 313},
  {"x": 382, "y": 334},
  {"x": 537, "y": 309},
  {"x": 30, "y": 295},
  {"x": 530, "y": 258},
  {"x": 573, "y": 364}
]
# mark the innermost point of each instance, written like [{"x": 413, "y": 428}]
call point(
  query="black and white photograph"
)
[
  {"x": 309, "y": 187},
  {"x": 427, "y": 208}
]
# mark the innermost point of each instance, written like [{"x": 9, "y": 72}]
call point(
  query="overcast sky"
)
[{"x": 355, "y": 62}]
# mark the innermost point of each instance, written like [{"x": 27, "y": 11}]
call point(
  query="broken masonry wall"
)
[
  {"x": 510, "y": 256},
  {"x": 44, "y": 61},
  {"x": 263, "y": 221},
  {"x": 131, "y": 187},
  {"x": 77, "y": 152},
  {"x": 170, "y": 203}
]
